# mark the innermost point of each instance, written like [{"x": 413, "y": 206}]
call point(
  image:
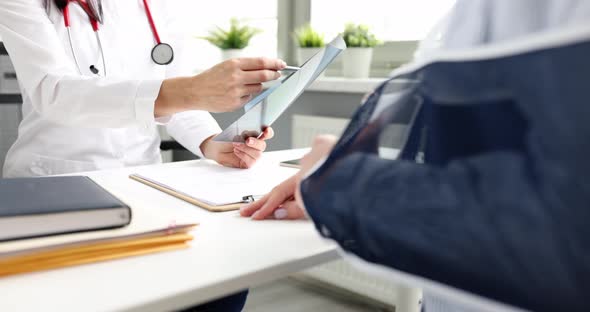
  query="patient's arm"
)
[{"x": 480, "y": 224}]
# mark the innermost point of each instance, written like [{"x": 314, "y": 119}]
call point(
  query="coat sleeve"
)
[
  {"x": 51, "y": 80},
  {"x": 189, "y": 128},
  {"x": 480, "y": 224}
]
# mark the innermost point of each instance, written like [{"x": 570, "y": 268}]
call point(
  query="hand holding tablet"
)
[{"x": 265, "y": 108}]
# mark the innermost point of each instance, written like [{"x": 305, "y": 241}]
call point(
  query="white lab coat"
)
[{"x": 74, "y": 122}]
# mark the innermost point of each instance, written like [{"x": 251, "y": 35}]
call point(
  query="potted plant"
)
[
  {"x": 356, "y": 60},
  {"x": 309, "y": 42},
  {"x": 232, "y": 41}
]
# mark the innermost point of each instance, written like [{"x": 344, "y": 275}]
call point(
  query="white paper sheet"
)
[{"x": 217, "y": 185}]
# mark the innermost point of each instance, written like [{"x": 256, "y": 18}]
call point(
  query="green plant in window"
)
[
  {"x": 359, "y": 36},
  {"x": 307, "y": 37},
  {"x": 237, "y": 37}
]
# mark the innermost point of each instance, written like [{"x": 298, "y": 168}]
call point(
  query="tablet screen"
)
[{"x": 265, "y": 108}]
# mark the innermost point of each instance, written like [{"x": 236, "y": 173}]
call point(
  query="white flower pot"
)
[
  {"x": 304, "y": 54},
  {"x": 231, "y": 54},
  {"x": 356, "y": 62}
]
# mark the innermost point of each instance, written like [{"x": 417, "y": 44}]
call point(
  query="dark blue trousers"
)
[{"x": 232, "y": 303}]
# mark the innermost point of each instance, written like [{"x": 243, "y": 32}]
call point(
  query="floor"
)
[{"x": 290, "y": 295}]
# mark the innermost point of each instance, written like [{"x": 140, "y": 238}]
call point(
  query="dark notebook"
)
[{"x": 32, "y": 207}]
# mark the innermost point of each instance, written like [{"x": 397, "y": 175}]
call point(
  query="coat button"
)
[{"x": 325, "y": 231}]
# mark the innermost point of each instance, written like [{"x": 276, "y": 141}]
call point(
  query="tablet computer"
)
[
  {"x": 265, "y": 108},
  {"x": 293, "y": 163}
]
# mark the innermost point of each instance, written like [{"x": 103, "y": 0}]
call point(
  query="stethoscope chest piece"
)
[{"x": 162, "y": 54}]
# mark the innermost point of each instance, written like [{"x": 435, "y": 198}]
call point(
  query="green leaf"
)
[
  {"x": 359, "y": 36},
  {"x": 307, "y": 37},
  {"x": 238, "y": 36}
]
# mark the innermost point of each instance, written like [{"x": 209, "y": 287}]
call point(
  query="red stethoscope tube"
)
[
  {"x": 148, "y": 12},
  {"x": 162, "y": 53},
  {"x": 94, "y": 23},
  {"x": 86, "y": 8}
]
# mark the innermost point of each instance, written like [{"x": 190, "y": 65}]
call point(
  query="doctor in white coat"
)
[{"x": 96, "y": 78}]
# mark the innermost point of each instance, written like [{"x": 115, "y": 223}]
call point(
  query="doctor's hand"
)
[
  {"x": 237, "y": 155},
  {"x": 285, "y": 201},
  {"x": 225, "y": 87}
]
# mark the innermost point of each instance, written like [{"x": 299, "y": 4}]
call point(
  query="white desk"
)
[{"x": 229, "y": 253}]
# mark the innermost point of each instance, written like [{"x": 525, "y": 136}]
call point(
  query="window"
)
[
  {"x": 262, "y": 15},
  {"x": 399, "y": 23},
  {"x": 390, "y": 20}
]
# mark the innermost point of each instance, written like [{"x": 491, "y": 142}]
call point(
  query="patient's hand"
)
[
  {"x": 321, "y": 148},
  {"x": 237, "y": 155},
  {"x": 280, "y": 203},
  {"x": 284, "y": 201}
]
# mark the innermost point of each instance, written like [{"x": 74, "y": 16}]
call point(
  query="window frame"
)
[{"x": 296, "y": 13}]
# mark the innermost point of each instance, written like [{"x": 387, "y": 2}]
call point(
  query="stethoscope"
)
[{"x": 162, "y": 53}]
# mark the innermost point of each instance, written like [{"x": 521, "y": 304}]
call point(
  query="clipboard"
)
[
  {"x": 191, "y": 199},
  {"x": 213, "y": 187}
]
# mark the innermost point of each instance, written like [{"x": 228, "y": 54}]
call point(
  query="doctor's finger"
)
[
  {"x": 255, "y": 153},
  {"x": 256, "y": 144},
  {"x": 250, "y": 89},
  {"x": 246, "y": 160},
  {"x": 267, "y": 134},
  {"x": 229, "y": 160},
  {"x": 259, "y": 76},
  {"x": 257, "y": 63},
  {"x": 244, "y": 99}
]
